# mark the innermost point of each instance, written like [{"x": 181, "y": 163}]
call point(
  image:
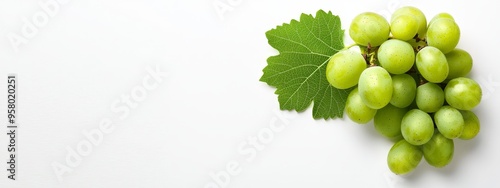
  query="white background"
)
[{"x": 91, "y": 53}]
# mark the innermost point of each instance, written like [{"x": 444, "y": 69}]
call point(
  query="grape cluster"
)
[{"x": 409, "y": 78}]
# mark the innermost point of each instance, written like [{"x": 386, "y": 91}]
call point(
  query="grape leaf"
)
[{"x": 298, "y": 71}]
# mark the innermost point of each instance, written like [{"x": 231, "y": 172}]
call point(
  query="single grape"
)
[
  {"x": 356, "y": 110},
  {"x": 471, "y": 125},
  {"x": 396, "y": 56},
  {"x": 459, "y": 63},
  {"x": 443, "y": 34},
  {"x": 430, "y": 97},
  {"x": 404, "y": 90},
  {"x": 404, "y": 27},
  {"x": 417, "y": 13},
  {"x": 432, "y": 64},
  {"x": 438, "y": 152},
  {"x": 369, "y": 29},
  {"x": 417, "y": 127},
  {"x": 403, "y": 157},
  {"x": 387, "y": 121},
  {"x": 441, "y": 15},
  {"x": 344, "y": 68},
  {"x": 463, "y": 93},
  {"x": 375, "y": 87},
  {"x": 449, "y": 122}
]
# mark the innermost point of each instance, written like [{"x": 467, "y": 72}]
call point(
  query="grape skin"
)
[
  {"x": 344, "y": 68},
  {"x": 404, "y": 27},
  {"x": 417, "y": 13},
  {"x": 449, "y": 122},
  {"x": 438, "y": 152},
  {"x": 375, "y": 87},
  {"x": 459, "y": 63},
  {"x": 404, "y": 90},
  {"x": 356, "y": 110},
  {"x": 403, "y": 157},
  {"x": 432, "y": 64},
  {"x": 441, "y": 15},
  {"x": 387, "y": 121},
  {"x": 396, "y": 56},
  {"x": 471, "y": 125},
  {"x": 463, "y": 93},
  {"x": 443, "y": 34},
  {"x": 417, "y": 127},
  {"x": 430, "y": 97},
  {"x": 369, "y": 29}
]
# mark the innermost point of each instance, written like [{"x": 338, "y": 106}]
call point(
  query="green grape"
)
[
  {"x": 396, "y": 56},
  {"x": 430, "y": 97},
  {"x": 344, "y": 68},
  {"x": 403, "y": 157},
  {"x": 471, "y": 125},
  {"x": 417, "y": 13},
  {"x": 387, "y": 121},
  {"x": 369, "y": 28},
  {"x": 404, "y": 27},
  {"x": 404, "y": 90},
  {"x": 459, "y": 63},
  {"x": 439, "y": 16},
  {"x": 449, "y": 122},
  {"x": 438, "y": 152},
  {"x": 375, "y": 87},
  {"x": 356, "y": 110},
  {"x": 443, "y": 34},
  {"x": 432, "y": 64},
  {"x": 417, "y": 127},
  {"x": 463, "y": 93}
]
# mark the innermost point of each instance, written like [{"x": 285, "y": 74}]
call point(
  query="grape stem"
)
[
  {"x": 370, "y": 53},
  {"x": 417, "y": 39},
  {"x": 422, "y": 41},
  {"x": 372, "y": 59},
  {"x": 366, "y": 52}
]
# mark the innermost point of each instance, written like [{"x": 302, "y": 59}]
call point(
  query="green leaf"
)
[{"x": 298, "y": 72}]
